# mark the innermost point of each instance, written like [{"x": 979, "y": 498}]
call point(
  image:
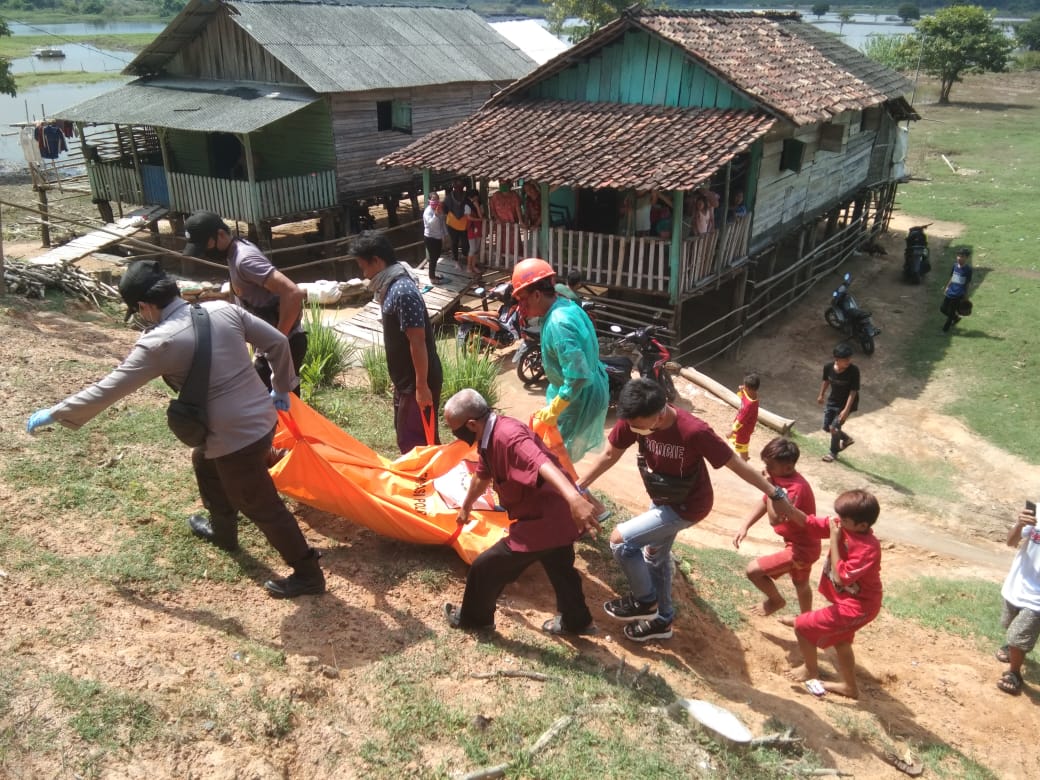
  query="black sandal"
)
[
  {"x": 1002, "y": 654},
  {"x": 1010, "y": 682}
]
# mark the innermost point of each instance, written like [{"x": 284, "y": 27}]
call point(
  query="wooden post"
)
[
  {"x": 45, "y": 223},
  {"x": 137, "y": 166},
  {"x": 3, "y": 281},
  {"x": 675, "y": 257}
]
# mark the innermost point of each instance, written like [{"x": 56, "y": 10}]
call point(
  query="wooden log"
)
[{"x": 780, "y": 424}]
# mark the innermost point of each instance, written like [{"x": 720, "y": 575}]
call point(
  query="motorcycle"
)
[
  {"x": 487, "y": 328},
  {"x": 844, "y": 314},
  {"x": 528, "y": 357},
  {"x": 653, "y": 357},
  {"x": 915, "y": 256}
]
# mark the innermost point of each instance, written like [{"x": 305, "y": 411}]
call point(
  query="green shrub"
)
[
  {"x": 1026, "y": 60},
  {"x": 466, "y": 366},
  {"x": 374, "y": 360},
  {"x": 327, "y": 353},
  {"x": 463, "y": 367},
  {"x": 885, "y": 50}
]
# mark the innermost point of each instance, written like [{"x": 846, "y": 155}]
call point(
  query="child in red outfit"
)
[
  {"x": 851, "y": 581},
  {"x": 801, "y": 546},
  {"x": 747, "y": 416}
]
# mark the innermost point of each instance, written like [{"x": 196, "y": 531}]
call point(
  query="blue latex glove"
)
[
  {"x": 281, "y": 401},
  {"x": 39, "y": 418}
]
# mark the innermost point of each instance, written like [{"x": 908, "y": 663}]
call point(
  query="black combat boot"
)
[
  {"x": 220, "y": 533},
  {"x": 306, "y": 579}
]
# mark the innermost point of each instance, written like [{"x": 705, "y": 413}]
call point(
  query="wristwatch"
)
[{"x": 779, "y": 493}]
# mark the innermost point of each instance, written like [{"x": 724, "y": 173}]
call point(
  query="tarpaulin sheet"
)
[{"x": 329, "y": 469}]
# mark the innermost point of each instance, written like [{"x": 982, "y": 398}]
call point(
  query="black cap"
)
[
  {"x": 138, "y": 280},
  {"x": 199, "y": 228}
]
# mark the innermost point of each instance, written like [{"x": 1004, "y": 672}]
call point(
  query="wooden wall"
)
[
  {"x": 785, "y": 198},
  {"x": 641, "y": 68},
  {"x": 359, "y": 142},
  {"x": 223, "y": 51},
  {"x": 299, "y": 143}
]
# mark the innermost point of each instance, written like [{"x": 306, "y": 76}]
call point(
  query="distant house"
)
[
  {"x": 671, "y": 111},
  {"x": 269, "y": 111},
  {"x": 532, "y": 38}
]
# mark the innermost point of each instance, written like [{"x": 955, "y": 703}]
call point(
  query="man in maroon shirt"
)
[
  {"x": 674, "y": 450},
  {"x": 549, "y": 514}
]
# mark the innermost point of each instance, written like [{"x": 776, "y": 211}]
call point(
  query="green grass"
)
[
  {"x": 718, "y": 577},
  {"x": 327, "y": 354},
  {"x": 18, "y": 46},
  {"x": 103, "y": 716},
  {"x": 968, "y": 608},
  {"x": 29, "y": 80},
  {"x": 998, "y": 154}
]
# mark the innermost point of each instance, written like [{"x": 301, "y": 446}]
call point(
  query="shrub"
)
[
  {"x": 327, "y": 353},
  {"x": 374, "y": 360},
  {"x": 885, "y": 49},
  {"x": 468, "y": 366}
]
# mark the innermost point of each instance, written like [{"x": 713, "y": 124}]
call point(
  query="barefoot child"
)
[
  {"x": 801, "y": 547},
  {"x": 747, "y": 416},
  {"x": 851, "y": 581}
]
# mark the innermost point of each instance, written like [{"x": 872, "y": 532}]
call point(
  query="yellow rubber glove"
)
[{"x": 551, "y": 413}]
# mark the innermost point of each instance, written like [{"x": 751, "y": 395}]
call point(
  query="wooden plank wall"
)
[
  {"x": 642, "y": 69},
  {"x": 359, "y": 143},
  {"x": 223, "y": 51},
  {"x": 784, "y": 197}
]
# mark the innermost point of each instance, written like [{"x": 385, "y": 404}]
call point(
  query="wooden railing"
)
[
  {"x": 231, "y": 198},
  {"x": 633, "y": 262}
]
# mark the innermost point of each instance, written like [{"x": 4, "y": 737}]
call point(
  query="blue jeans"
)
[{"x": 645, "y": 555}]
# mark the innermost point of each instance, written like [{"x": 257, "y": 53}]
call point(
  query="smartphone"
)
[{"x": 1031, "y": 507}]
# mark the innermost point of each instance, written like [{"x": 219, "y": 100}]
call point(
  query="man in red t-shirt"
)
[
  {"x": 801, "y": 548},
  {"x": 675, "y": 447},
  {"x": 549, "y": 514}
]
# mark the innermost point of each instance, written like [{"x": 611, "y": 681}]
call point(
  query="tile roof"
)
[
  {"x": 595, "y": 145},
  {"x": 786, "y": 65}
]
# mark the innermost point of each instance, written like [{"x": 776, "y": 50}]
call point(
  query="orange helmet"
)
[{"x": 529, "y": 271}]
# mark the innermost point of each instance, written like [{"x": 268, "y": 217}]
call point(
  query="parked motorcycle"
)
[
  {"x": 528, "y": 356},
  {"x": 915, "y": 256},
  {"x": 844, "y": 314},
  {"x": 487, "y": 328},
  {"x": 653, "y": 357}
]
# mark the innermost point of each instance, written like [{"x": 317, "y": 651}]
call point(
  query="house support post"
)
[
  {"x": 675, "y": 248},
  {"x": 45, "y": 223},
  {"x": 254, "y": 216},
  {"x": 737, "y": 304},
  {"x": 543, "y": 229},
  {"x": 3, "y": 281},
  {"x": 427, "y": 185},
  {"x": 139, "y": 179}
]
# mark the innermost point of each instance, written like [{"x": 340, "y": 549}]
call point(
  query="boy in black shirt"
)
[{"x": 843, "y": 379}]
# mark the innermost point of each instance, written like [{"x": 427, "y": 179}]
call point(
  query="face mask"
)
[
  {"x": 465, "y": 434},
  {"x": 641, "y": 431}
]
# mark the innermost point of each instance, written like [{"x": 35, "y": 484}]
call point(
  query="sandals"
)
[
  {"x": 912, "y": 768},
  {"x": 846, "y": 443},
  {"x": 1010, "y": 682},
  {"x": 554, "y": 626},
  {"x": 1002, "y": 654},
  {"x": 830, "y": 457}
]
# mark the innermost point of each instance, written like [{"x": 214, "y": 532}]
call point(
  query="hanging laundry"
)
[{"x": 53, "y": 142}]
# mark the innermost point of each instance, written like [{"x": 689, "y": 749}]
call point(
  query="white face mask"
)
[
  {"x": 653, "y": 429},
  {"x": 641, "y": 431}
]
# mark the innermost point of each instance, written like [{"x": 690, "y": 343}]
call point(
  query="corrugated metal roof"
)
[
  {"x": 335, "y": 47},
  {"x": 203, "y": 106},
  {"x": 533, "y": 39},
  {"x": 597, "y": 145},
  {"x": 786, "y": 65}
]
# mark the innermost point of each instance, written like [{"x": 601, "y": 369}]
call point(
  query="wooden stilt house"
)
[
  {"x": 270, "y": 111},
  {"x": 764, "y": 149}
]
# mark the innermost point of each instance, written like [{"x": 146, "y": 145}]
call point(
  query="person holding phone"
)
[{"x": 1021, "y": 592}]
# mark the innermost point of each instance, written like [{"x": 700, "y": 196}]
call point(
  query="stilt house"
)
[
  {"x": 765, "y": 148},
  {"x": 268, "y": 111}
]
